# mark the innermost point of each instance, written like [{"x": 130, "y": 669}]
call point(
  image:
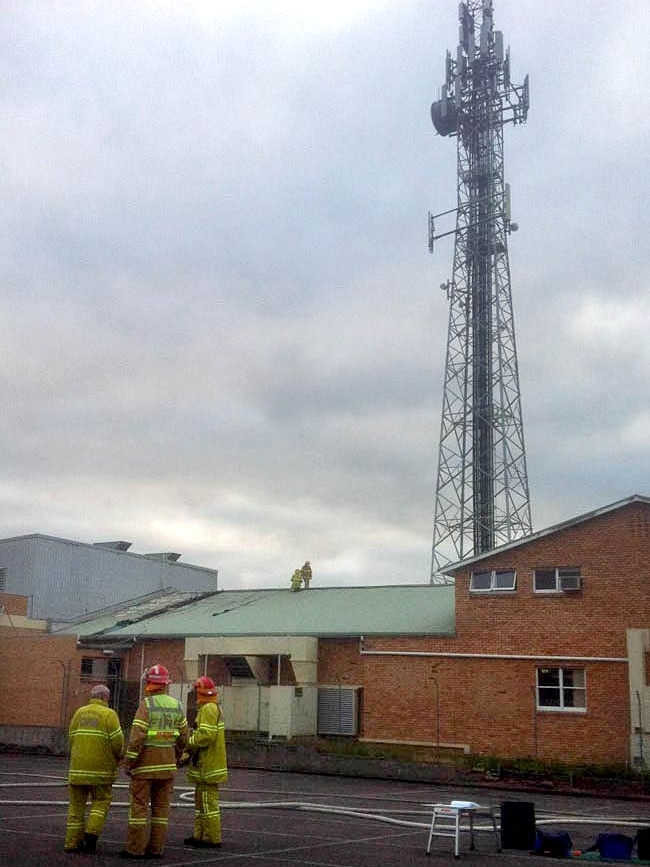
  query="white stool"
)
[{"x": 446, "y": 822}]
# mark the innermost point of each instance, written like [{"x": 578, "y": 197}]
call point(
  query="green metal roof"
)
[
  {"x": 421, "y": 609},
  {"x": 134, "y": 609}
]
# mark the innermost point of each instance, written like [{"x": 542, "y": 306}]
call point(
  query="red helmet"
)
[
  {"x": 158, "y": 674},
  {"x": 205, "y": 685}
]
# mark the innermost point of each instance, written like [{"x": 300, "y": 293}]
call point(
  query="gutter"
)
[
  {"x": 92, "y": 642},
  {"x": 517, "y": 656}
]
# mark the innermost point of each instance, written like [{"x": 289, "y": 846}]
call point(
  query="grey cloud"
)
[{"x": 223, "y": 330}]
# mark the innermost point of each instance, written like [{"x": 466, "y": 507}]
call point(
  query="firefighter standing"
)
[
  {"x": 306, "y": 573},
  {"x": 208, "y": 768},
  {"x": 157, "y": 740},
  {"x": 96, "y": 744}
]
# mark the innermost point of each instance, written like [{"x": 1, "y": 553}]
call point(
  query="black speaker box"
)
[
  {"x": 643, "y": 844},
  {"x": 518, "y": 825}
]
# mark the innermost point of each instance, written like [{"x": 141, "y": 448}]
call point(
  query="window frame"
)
[
  {"x": 94, "y": 668},
  {"x": 557, "y": 571},
  {"x": 563, "y": 689},
  {"x": 493, "y": 588}
]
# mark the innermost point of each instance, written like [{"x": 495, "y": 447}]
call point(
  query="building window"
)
[
  {"x": 488, "y": 582},
  {"x": 561, "y": 689},
  {"x": 3, "y": 580},
  {"x": 94, "y": 668},
  {"x": 561, "y": 580}
]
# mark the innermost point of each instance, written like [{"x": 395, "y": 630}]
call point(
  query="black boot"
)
[
  {"x": 90, "y": 843},
  {"x": 200, "y": 844},
  {"x": 79, "y": 849}
]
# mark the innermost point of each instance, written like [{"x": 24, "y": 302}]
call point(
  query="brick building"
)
[
  {"x": 550, "y": 655},
  {"x": 46, "y": 675},
  {"x": 540, "y": 650},
  {"x": 30, "y": 656}
]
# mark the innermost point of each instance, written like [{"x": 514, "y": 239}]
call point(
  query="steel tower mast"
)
[{"x": 482, "y": 498}]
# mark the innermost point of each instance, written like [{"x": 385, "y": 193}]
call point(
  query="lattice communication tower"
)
[{"x": 482, "y": 497}]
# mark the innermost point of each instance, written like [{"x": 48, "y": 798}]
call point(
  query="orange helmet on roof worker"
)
[
  {"x": 205, "y": 686},
  {"x": 158, "y": 674}
]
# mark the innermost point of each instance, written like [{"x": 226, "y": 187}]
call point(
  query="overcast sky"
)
[{"x": 222, "y": 331}]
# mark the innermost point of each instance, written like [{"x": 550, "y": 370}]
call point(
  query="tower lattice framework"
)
[{"x": 482, "y": 497}]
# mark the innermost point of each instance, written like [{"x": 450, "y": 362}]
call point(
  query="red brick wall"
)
[
  {"x": 14, "y": 604},
  {"x": 339, "y": 662},
  {"x": 39, "y": 674},
  {"x": 489, "y": 704},
  {"x": 613, "y": 551},
  {"x": 163, "y": 651}
]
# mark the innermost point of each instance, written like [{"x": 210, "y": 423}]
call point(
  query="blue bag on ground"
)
[
  {"x": 557, "y": 844},
  {"x": 614, "y": 847}
]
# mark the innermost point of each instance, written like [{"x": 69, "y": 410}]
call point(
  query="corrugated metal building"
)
[{"x": 64, "y": 579}]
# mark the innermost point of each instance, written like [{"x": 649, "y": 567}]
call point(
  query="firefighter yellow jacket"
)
[
  {"x": 158, "y": 737},
  {"x": 96, "y": 744},
  {"x": 207, "y": 745}
]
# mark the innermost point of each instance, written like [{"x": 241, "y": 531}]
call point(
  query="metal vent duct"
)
[{"x": 338, "y": 710}]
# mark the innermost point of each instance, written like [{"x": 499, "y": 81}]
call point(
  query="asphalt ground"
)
[{"x": 293, "y": 820}]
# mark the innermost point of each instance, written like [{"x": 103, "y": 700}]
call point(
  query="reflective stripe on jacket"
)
[
  {"x": 96, "y": 744},
  {"x": 208, "y": 745},
  {"x": 158, "y": 737}
]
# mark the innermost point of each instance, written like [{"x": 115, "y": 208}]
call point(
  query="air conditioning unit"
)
[
  {"x": 569, "y": 583},
  {"x": 338, "y": 710}
]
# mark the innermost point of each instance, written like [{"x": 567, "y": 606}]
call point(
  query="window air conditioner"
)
[{"x": 569, "y": 582}]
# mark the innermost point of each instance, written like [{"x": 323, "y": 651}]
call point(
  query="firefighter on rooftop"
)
[
  {"x": 296, "y": 580},
  {"x": 306, "y": 574},
  {"x": 301, "y": 576}
]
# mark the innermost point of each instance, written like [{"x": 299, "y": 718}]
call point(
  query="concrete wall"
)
[
  {"x": 34, "y": 739},
  {"x": 638, "y": 642}
]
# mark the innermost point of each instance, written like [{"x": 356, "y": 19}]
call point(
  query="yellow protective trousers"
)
[
  {"x": 76, "y": 825},
  {"x": 158, "y": 793},
  {"x": 207, "y": 817}
]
